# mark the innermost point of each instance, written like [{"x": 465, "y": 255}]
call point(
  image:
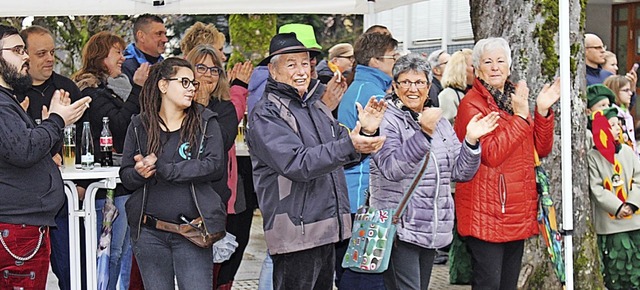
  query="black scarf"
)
[{"x": 502, "y": 99}]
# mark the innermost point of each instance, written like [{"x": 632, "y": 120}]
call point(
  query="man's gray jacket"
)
[{"x": 298, "y": 150}]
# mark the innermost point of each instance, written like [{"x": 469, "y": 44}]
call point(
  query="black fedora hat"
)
[{"x": 284, "y": 43}]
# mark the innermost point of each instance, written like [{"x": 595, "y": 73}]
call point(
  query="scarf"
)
[
  {"x": 502, "y": 99},
  {"x": 120, "y": 85}
]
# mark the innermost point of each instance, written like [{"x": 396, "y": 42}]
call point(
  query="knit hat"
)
[
  {"x": 341, "y": 50},
  {"x": 597, "y": 93}
]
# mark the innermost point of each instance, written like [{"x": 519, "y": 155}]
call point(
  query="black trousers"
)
[
  {"x": 496, "y": 266},
  {"x": 310, "y": 269}
]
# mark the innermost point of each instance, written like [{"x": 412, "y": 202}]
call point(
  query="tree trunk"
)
[{"x": 531, "y": 28}]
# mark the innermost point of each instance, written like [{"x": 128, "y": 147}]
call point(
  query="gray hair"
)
[
  {"x": 412, "y": 62},
  {"x": 488, "y": 44},
  {"x": 433, "y": 57},
  {"x": 274, "y": 59}
]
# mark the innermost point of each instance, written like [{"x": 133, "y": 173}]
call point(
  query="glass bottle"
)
[
  {"x": 86, "y": 147},
  {"x": 106, "y": 144}
]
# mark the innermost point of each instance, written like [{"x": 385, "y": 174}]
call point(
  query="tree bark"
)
[{"x": 531, "y": 29}]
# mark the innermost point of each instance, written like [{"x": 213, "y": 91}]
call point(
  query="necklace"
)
[{"x": 43, "y": 90}]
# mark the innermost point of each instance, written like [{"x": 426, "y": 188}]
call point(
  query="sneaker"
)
[{"x": 441, "y": 258}]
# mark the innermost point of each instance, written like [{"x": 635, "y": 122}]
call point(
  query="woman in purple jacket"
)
[{"x": 414, "y": 132}]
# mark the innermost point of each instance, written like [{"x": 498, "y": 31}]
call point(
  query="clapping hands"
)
[
  {"x": 477, "y": 127},
  {"x": 371, "y": 116}
]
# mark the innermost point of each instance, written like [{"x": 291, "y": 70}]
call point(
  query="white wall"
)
[{"x": 427, "y": 20}]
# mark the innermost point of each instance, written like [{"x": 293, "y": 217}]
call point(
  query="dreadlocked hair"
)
[{"x": 151, "y": 99}]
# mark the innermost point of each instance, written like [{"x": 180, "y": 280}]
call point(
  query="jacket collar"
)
[
  {"x": 314, "y": 91},
  {"x": 133, "y": 52},
  {"x": 373, "y": 75}
]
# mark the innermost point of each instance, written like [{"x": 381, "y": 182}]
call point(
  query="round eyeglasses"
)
[{"x": 186, "y": 82}]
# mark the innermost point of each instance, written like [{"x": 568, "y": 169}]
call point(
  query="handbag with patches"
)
[{"x": 373, "y": 232}]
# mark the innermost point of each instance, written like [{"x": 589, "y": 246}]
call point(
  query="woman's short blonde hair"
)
[
  {"x": 455, "y": 73},
  {"x": 199, "y": 33}
]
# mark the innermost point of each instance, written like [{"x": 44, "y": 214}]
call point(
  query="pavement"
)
[{"x": 249, "y": 272}]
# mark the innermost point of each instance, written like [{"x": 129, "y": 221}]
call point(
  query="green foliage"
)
[
  {"x": 545, "y": 33},
  {"x": 250, "y": 37},
  {"x": 329, "y": 29}
]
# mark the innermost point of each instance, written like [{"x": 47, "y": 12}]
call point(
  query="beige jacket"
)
[{"x": 604, "y": 202}]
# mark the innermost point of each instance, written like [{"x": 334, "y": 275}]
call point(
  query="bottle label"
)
[
  {"x": 87, "y": 158},
  {"x": 106, "y": 141}
]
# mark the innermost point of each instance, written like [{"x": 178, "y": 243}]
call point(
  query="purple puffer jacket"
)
[{"x": 428, "y": 219}]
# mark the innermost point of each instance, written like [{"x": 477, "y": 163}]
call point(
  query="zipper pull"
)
[
  {"x": 333, "y": 131},
  {"x": 302, "y": 224},
  {"x": 503, "y": 209}
]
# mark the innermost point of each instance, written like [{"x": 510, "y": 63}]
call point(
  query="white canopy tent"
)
[{"x": 132, "y": 7}]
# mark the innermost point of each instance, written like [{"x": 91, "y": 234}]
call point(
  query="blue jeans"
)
[
  {"x": 120, "y": 241},
  {"x": 60, "y": 249},
  {"x": 125, "y": 266},
  {"x": 161, "y": 256},
  {"x": 266, "y": 274}
]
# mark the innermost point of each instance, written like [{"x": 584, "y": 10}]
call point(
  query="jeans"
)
[
  {"x": 310, "y": 269},
  {"x": 266, "y": 274},
  {"x": 125, "y": 265},
  {"x": 60, "y": 249},
  {"x": 120, "y": 241},
  {"x": 409, "y": 268},
  {"x": 496, "y": 266},
  {"x": 161, "y": 256},
  {"x": 21, "y": 241}
]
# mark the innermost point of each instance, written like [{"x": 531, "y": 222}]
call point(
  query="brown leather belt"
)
[{"x": 155, "y": 223}]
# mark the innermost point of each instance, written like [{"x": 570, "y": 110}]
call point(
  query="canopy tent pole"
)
[
  {"x": 446, "y": 25},
  {"x": 406, "y": 36},
  {"x": 370, "y": 17},
  {"x": 565, "y": 136}
]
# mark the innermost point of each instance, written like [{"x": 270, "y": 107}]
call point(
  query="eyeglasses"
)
[
  {"x": 351, "y": 58},
  {"x": 186, "y": 82},
  {"x": 599, "y": 47},
  {"x": 18, "y": 49},
  {"x": 394, "y": 57},
  {"x": 214, "y": 70},
  {"x": 407, "y": 84}
]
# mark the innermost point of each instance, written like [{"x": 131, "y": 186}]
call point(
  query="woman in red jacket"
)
[{"x": 497, "y": 209}]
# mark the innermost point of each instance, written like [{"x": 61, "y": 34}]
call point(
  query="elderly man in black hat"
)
[{"x": 298, "y": 151}]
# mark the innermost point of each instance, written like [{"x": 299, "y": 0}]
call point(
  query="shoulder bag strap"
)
[{"x": 414, "y": 184}]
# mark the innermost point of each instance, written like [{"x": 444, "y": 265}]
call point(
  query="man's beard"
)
[{"x": 11, "y": 75}]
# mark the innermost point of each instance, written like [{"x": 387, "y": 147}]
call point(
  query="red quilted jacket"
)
[{"x": 500, "y": 203}]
